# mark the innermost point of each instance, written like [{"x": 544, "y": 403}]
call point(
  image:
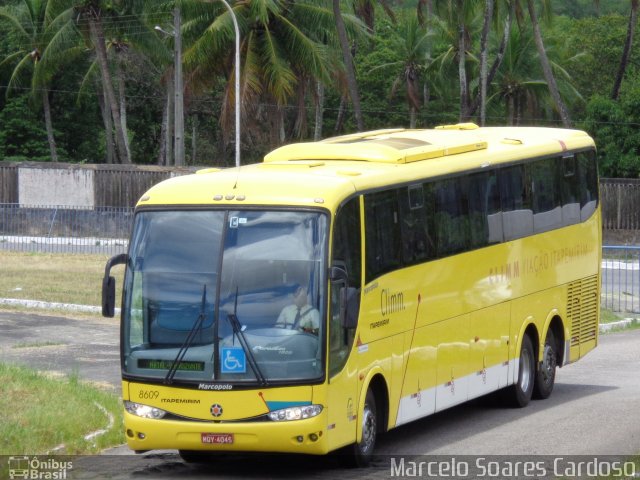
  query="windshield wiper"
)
[
  {"x": 189, "y": 340},
  {"x": 238, "y": 330}
]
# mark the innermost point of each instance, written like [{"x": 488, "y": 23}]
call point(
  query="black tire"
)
[
  {"x": 546, "y": 369},
  {"x": 519, "y": 395},
  {"x": 360, "y": 453}
]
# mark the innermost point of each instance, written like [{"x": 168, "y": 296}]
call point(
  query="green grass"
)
[
  {"x": 40, "y": 413},
  {"x": 607, "y": 316},
  {"x": 60, "y": 278}
]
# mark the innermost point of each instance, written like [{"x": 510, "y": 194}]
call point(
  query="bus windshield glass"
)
[{"x": 232, "y": 296}]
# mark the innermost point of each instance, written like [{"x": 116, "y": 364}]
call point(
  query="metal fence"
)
[
  {"x": 63, "y": 229},
  {"x": 105, "y": 230},
  {"x": 621, "y": 279}
]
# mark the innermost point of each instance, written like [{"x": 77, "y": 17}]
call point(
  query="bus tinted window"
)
[
  {"x": 346, "y": 241},
  {"x": 416, "y": 223},
  {"x": 588, "y": 171},
  {"x": 451, "y": 219},
  {"x": 384, "y": 247},
  {"x": 416, "y": 208},
  {"x": 485, "y": 215},
  {"x": 515, "y": 189}
]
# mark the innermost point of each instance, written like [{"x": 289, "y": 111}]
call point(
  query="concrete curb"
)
[
  {"x": 15, "y": 302},
  {"x": 627, "y": 322}
]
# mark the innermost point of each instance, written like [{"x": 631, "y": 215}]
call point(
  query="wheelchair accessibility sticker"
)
[{"x": 233, "y": 360}]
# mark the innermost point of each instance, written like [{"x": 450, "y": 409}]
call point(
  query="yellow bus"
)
[{"x": 341, "y": 288}]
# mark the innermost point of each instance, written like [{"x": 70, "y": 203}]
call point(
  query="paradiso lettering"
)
[{"x": 536, "y": 264}]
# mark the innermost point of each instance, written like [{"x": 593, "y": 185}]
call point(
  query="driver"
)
[{"x": 300, "y": 315}]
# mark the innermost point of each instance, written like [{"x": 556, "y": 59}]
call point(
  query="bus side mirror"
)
[{"x": 109, "y": 285}]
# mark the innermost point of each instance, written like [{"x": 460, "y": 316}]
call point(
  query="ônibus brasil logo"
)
[{"x": 24, "y": 467}]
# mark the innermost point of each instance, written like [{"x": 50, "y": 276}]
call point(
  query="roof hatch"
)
[{"x": 384, "y": 146}]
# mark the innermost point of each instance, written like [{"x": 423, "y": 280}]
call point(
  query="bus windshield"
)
[{"x": 225, "y": 296}]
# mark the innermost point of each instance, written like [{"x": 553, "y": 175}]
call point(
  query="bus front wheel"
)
[
  {"x": 360, "y": 453},
  {"x": 521, "y": 392},
  {"x": 546, "y": 371}
]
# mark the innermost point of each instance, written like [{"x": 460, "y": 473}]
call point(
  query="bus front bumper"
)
[{"x": 307, "y": 436}]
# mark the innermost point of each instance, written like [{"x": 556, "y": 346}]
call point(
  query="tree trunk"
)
[
  {"x": 108, "y": 124},
  {"x": 499, "y": 56},
  {"x": 412, "y": 117},
  {"x": 341, "y": 114},
  {"x": 462, "y": 69},
  {"x": 194, "y": 139},
  {"x": 546, "y": 67},
  {"x": 162, "y": 151},
  {"x": 484, "y": 47},
  {"x": 95, "y": 27},
  {"x": 168, "y": 139},
  {"x": 123, "y": 103},
  {"x": 348, "y": 63},
  {"x": 626, "y": 52},
  {"x": 49, "y": 126},
  {"x": 178, "y": 119},
  {"x": 317, "y": 132}
]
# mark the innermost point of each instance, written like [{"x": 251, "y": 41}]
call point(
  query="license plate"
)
[{"x": 219, "y": 438}]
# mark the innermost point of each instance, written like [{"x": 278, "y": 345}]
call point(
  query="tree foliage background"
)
[{"x": 294, "y": 82}]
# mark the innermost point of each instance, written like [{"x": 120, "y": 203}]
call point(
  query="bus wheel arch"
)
[{"x": 373, "y": 417}]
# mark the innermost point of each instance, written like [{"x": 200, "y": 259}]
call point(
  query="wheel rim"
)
[
  {"x": 368, "y": 430},
  {"x": 525, "y": 370},
  {"x": 548, "y": 367}
]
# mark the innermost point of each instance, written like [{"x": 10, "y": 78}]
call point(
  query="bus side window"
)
[
  {"x": 569, "y": 190},
  {"x": 515, "y": 198},
  {"x": 485, "y": 216},
  {"x": 588, "y": 171},
  {"x": 417, "y": 229},
  {"x": 382, "y": 224},
  {"x": 451, "y": 216},
  {"x": 546, "y": 199},
  {"x": 347, "y": 254}
]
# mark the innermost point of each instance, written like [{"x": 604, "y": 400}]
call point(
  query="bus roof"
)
[{"x": 324, "y": 173}]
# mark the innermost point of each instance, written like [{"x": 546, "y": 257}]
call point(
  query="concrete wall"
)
[
  {"x": 84, "y": 186},
  {"x": 69, "y": 187}
]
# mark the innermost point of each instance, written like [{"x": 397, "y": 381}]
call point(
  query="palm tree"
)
[
  {"x": 28, "y": 22},
  {"x": 546, "y": 65},
  {"x": 88, "y": 17},
  {"x": 481, "y": 97},
  {"x": 484, "y": 49},
  {"x": 456, "y": 23},
  {"x": 517, "y": 84},
  {"x": 348, "y": 63},
  {"x": 626, "y": 52},
  {"x": 280, "y": 48},
  {"x": 413, "y": 52}
]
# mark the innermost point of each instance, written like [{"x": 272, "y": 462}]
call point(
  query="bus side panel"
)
[
  {"x": 453, "y": 362},
  {"x": 418, "y": 397},
  {"x": 489, "y": 349}
]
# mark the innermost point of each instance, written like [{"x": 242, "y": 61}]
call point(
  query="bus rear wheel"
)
[
  {"x": 546, "y": 371},
  {"x": 520, "y": 394}
]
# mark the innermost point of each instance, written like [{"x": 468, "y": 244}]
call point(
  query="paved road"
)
[
  {"x": 63, "y": 345},
  {"x": 593, "y": 411}
]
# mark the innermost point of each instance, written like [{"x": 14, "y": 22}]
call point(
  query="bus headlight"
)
[
  {"x": 144, "y": 411},
  {"x": 295, "y": 413}
]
